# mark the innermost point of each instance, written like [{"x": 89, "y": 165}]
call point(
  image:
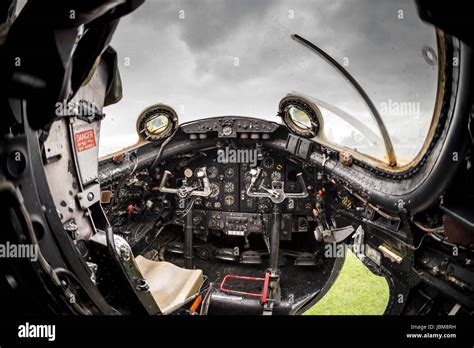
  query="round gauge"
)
[
  {"x": 227, "y": 130},
  {"x": 156, "y": 122},
  {"x": 229, "y": 187},
  {"x": 301, "y": 116},
  {"x": 263, "y": 207},
  {"x": 217, "y": 205},
  {"x": 248, "y": 177},
  {"x": 214, "y": 191},
  {"x": 229, "y": 200},
  {"x": 276, "y": 176},
  {"x": 229, "y": 172},
  {"x": 212, "y": 172},
  {"x": 196, "y": 220},
  {"x": 268, "y": 162}
]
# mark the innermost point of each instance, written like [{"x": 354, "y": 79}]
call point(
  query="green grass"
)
[{"x": 356, "y": 292}]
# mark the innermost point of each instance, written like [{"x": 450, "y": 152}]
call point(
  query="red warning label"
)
[{"x": 85, "y": 140}]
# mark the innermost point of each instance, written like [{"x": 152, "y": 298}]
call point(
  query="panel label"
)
[{"x": 85, "y": 140}]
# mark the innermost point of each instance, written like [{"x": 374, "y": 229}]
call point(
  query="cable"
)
[
  {"x": 428, "y": 229},
  {"x": 186, "y": 211},
  {"x": 206, "y": 301},
  {"x": 123, "y": 180},
  {"x": 419, "y": 245},
  {"x": 136, "y": 162},
  {"x": 201, "y": 290},
  {"x": 434, "y": 233},
  {"x": 160, "y": 151},
  {"x": 444, "y": 240}
]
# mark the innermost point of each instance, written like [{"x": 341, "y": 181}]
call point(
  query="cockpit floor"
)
[{"x": 297, "y": 282}]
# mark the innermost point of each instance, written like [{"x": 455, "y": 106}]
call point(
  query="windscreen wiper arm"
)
[{"x": 392, "y": 159}]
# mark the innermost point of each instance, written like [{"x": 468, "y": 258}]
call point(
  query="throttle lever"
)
[
  {"x": 187, "y": 191},
  {"x": 276, "y": 193},
  {"x": 273, "y": 193}
]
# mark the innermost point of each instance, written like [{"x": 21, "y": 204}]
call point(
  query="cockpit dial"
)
[{"x": 212, "y": 172}]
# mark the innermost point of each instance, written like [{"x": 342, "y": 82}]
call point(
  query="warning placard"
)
[{"x": 85, "y": 140}]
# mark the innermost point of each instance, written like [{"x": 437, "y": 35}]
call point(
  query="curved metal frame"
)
[{"x": 392, "y": 159}]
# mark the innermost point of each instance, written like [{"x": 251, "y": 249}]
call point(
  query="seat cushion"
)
[{"x": 169, "y": 284}]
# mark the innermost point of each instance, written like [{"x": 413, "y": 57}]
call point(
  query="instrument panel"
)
[
  {"x": 229, "y": 183},
  {"x": 230, "y": 209}
]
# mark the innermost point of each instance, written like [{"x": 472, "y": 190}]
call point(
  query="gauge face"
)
[
  {"x": 157, "y": 124},
  {"x": 214, "y": 190},
  {"x": 212, "y": 172},
  {"x": 227, "y": 130},
  {"x": 229, "y": 187},
  {"x": 197, "y": 220},
  {"x": 276, "y": 176},
  {"x": 263, "y": 206},
  {"x": 268, "y": 162},
  {"x": 248, "y": 176},
  {"x": 229, "y": 200},
  {"x": 229, "y": 172},
  {"x": 301, "y": 116}
]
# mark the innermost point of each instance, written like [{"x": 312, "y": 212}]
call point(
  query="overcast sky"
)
[{"x": 236, "y": 57}]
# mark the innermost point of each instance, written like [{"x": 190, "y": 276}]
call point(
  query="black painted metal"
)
[{"x": 188, "y": 241}]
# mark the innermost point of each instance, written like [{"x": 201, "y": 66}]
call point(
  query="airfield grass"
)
[{"x": 355, "y": 292}]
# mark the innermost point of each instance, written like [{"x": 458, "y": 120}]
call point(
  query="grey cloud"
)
[
  {"x": 189, "y": 63},
  {"x": 220, "y": 19}
]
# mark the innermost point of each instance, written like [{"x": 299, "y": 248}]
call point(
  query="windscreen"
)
[{"x": 227, "y": 57}]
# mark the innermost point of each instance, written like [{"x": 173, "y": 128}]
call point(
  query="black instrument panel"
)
[
  {"x": 229, "y": 183},
  {"x": 232, "y": 127},
  {"x": 230, "y": 209}
]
